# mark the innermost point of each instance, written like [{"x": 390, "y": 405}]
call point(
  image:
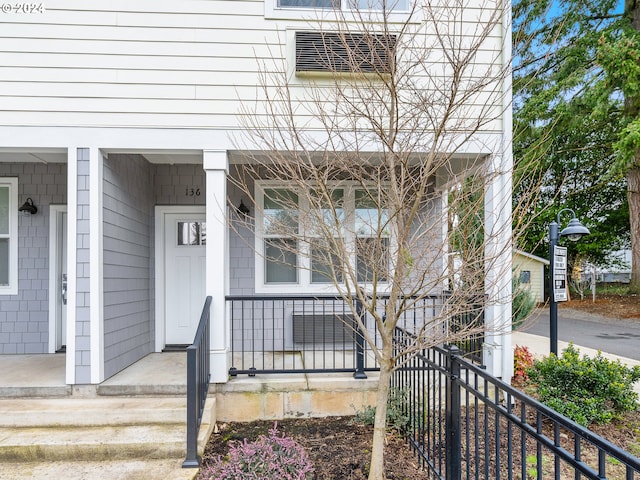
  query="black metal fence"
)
[
  {"x": 464, "y": 423},
  {"x": 319, "y": 333},
  {"x": 198, "y": 376}
]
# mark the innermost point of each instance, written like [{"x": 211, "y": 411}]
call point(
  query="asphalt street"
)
[{"x": 619, "y": 337}]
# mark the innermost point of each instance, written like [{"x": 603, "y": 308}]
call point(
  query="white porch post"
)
[
  {"x": 498, "y": 354},
  {"x": 96, "y": 267},
  {"x": 72, "y": 217},
  {"x": 498, "y": 350},
  {"x": 216, "y": 165}
]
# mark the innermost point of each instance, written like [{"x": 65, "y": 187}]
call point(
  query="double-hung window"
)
[
  {"x": 307, "y": 9},
  {"x": 399, "y": 5},
  {"x": 305, "y": 241},
  {"x": 8, "y": 236}
]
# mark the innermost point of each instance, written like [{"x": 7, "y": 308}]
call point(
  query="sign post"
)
[{"x": 558, "y": 270}]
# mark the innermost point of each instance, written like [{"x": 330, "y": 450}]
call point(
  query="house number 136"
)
[{"x": 192, "y": 192}]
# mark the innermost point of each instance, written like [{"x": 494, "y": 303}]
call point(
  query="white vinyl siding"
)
[
  {"x": 158, "y": 65},
  {"x": 8, "y": 236}
]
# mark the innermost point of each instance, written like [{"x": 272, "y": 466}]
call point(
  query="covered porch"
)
[{"x": 111, "y": 302}]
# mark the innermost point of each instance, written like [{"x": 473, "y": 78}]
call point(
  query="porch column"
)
[
  {"x": 85, "y": 342},
  {"x": 216, "y": 166},
  {"x": 498, "y": 354},
  {"x": 498, "y": 350}
]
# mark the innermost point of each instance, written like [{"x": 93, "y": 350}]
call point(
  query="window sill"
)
[{"x": 289, "y": 289}]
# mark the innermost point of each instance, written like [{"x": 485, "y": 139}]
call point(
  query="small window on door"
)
[{"x": 192, "y": 233}]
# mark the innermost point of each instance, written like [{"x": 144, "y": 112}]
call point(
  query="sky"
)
[{"x": 556, "y": 7}]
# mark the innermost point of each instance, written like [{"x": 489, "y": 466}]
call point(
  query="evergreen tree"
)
[{"x": 577, "y": 119}]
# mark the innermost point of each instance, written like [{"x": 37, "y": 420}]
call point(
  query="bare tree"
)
[{"x": 355, "y": 167}]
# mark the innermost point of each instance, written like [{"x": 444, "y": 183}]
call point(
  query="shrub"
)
[
  {"x": 396, "y": 411},
  {"x": 586, "y": 390},
  {"x": 522, "y": 363},
  {"x": 273, "y": 457}
]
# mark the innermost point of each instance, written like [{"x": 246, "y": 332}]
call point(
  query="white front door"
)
[{"x": 185, "y": 265}]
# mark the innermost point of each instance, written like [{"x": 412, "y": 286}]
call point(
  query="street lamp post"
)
[{"x": 574, "y": 232}]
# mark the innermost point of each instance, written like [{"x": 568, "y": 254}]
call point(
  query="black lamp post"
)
[{"x": 574, "y": 232}]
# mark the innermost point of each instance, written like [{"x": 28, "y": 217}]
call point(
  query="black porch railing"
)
[
  {"x": 464, "y": 423},
  {"x": 296, "y": 334},
  {"x": 308, "y": 334},
  {"x": 198, "y": 375},
  {"x": 471, "y": 343}
]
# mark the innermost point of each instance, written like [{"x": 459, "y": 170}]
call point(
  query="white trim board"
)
[{"x": 54, "y": 268}]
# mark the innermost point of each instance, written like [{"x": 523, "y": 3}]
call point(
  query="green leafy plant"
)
[
  {"x": 274, "y": 457},
  {"x": 587, "y": 390},
  {"x": 532, "y": 466},
  {"x": 397, "y": 417}
]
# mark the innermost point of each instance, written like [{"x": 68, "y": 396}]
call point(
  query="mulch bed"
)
[
  {"x": 337, "y": 448},
  {"x": 340, "y": 449}
]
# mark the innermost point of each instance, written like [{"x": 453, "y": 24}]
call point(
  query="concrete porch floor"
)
[
  {"x": 44, "y": 376},
  {"x": 155, "y": 374}
]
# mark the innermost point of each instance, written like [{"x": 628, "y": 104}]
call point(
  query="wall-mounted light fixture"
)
[
  {"x": 243, "y": 210},
  {"x": 28, "y": 208}
]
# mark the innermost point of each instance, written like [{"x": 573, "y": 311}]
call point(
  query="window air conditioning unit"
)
[
  {"x": 323, "y": 329},
  {"x": 339, "y": 53}
]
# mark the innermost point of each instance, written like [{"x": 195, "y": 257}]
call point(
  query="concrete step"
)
[
  {"x": 52, "y": 412},
  {"x": 97, "y": 429},
  {"x": 112, "y": 470},
  {"x": 92, "y": 443},
  {"x": 54, "y": 391}
]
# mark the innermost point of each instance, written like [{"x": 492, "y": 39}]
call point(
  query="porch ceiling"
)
[
  {"x": 59, "y": 155},
  {"x": 38, "y": 155},
  {"x": 454, "y": 166}
]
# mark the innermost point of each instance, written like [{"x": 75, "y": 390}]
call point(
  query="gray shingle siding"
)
[
  {"x": 24, "y": 317},
  {"x": 83, "y": 305},
  {"x": 172, "y": 181},
  {"x": 241, "y": 262},
  {"x": 241, "y": 246},
  {"x": 127, "y": 259}
]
